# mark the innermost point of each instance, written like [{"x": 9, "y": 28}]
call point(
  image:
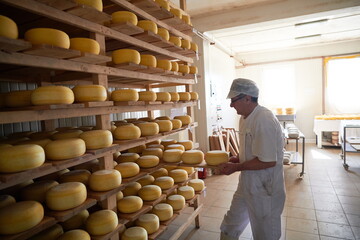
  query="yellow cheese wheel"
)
[
  {"x": 216, "y": 157},
  {"x": 194, "y": 95},
  {"x": 127, "y": 132},
  {"x": 194, "y": 47},
  {"x": 172, "y": 155},
  {"x": 197, "y": 184},
  {"x": 164, "y": 4},
  {"x": 148, "y": 128},
  {"x": 42, "y": 135},
  {"x": 163, "y": 96},
  {"x": 175, "y": 146},
  {"x": 176, "y": 12},
  {"x": 66, "y": 196},
  {"x": 193, "y": 70},
  {"x": 87, "y": 45},
  {"x": 86, "y": 128},
  {"x": 119, "y": 195},
  {"x": 88, "y": 165},
  {"x": 164, "y": 182},
  {"x": 130, "y": 120},
  {"x": 174, "y": 96},
  {"x": 123, "y": 17},
  {"x": 146, "y": 180},
  {"x": 20, "y": 158},
  {"x": 156, "y": 146},
  {"x": 77, "y": 221},
  {"x": 163, "y": 118},
  {"x": 61, "y": 129},
  {"x": 164, "y": 125},
  {"x": 8, "y": 28},
  {"x": 96, "y": 139},
  {"x": 147, "y": 119},
  {"x": 179, "y": 175},
  {"x": 176, "y": 201},
  {"x": 130, "y": 204},
  {"x": 189, "y": 170},
  {"x": 149, "y": 96},
  {"x": 174, "y": 66},
  {"x": 192, "y": 157},
  {"x": 175, "y": 40},
  {"x": 148, "y": 25},
  {"x": 148, "y": 161},
  {"x": 128, "y": 169},
  {"x": 127, "y": 157},
  {"x": 149, "y": 192},
  {"x": 149, "y": 221},
  {"x": 188, "y": 144},
  {"x": 184, "y": 68},
  {"x": 186, "y": 119},
  {"x": 47, "y": 95},
  {"x": 164, "y": 64},
  {"x": 75, "y": 234},
  {"x": 135, "y": 233},
  {"x": 101, "y": 222},
  {"x": 148, "y": 60},
  {"x": 137, "y": 149},
  {"x": 131, "y": 189},
  {"x": 185, "y": 44},
  {"x": 170, "y": 167},
  {"x": 184, "y": 96},
  {"x": 164, "y": 211},
  {"x": 187, "y": 192},
  {"x": 164, "y": 33},
  {"x": 186, "y": 19},
  {"x": 18, "y": 98},
  {"x": 6, "y": 200},
  {"x": 72, "y": 133},
  {"x": 105, "y": 180},
  {"x": 40, "y": 142},
  {"x": 176, "y": 123},
  {"x": 157, "y": 141},
  {"x": 80, "y": 175},
  {"x": 20, "y": 216},
  {"x": 97, "y": 4},
  {"x": 37, "y": 190},
  {"x": 65, "y": 149},
  {"x": 49, "y": 36},
  {"x": 166, "y": 142},
  {"x": 50, "y": 233},
  {"x": 125, "y": 56},
  {"x": 90, "y": 93},
  {"x": 124, "y": 95}
]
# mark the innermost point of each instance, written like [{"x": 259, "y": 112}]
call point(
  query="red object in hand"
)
[{"x": 202, "y": 173}]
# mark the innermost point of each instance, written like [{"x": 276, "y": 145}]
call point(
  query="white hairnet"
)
[{"x": 243, "y": 86}]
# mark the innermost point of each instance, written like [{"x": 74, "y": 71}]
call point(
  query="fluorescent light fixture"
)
[
  {"x": 320, "y": 21},
  {"x": 308, "y": 36}
]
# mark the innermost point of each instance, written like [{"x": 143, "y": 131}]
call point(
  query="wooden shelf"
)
[
  {"x": 120, "y": 228},
  {"x": 100, "y": 196},
  {"x": 52, "y": 51},
  {"x": 154, "y": 235},
  {"x": 156, "y": 201},
  {"x": 13, "y": 45},
  {"x": 133, "y": 216}
]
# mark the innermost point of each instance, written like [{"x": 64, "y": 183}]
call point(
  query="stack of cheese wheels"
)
[
  {"x": 131, "y": 120},
  {"x": 20, "y": 216},
  {"x": 21, "y": 157},
  {"x": 65, "y": 149},
  {"x": 125, "y": 95},
  {"x": 185, "y": 44},
  {"x": 216, "y": 157},
  {"x": 96, "y": 4},
  {"x": 169, "y": 168},
  {"x": 149, "y": 221},
  {"x": 89, "y": 93},
  {"x": 52, "y": 232},
  {"x": 148, "y": 96},
  {"x": 18, "y": 98},
  {"x": 163, "y": 96},
  {"x": 187, "y": 192},
  {"x": 127, "y": 157},
  {"x": 96, "y": 139},
  {"x": 177, "y": 12},
  {"x": 77, "y": 221},
  {"x": 166, "y": 142},
  {"x": 105, "y": 180},
  {"x": 49, "y": 36},
  {"x": 86, "y": 45},
  {"x": 176, "y": 201},
  {"x": 189, "y": 170},
  {"x": 8, "y": 28},
  {"x": 175, "y": 40},
  {"x": 148, "y": 161},
  {"x": 149, "y": 192},
  {"x": 197, "y": 184},
  {"x": 194, "y": 47},
  {"x": 157, "y": 141},
  {"x": 40, "y": 142},
  {"x": 164, "y": 4},
  {"x": 71, "y": 133},
  {"x": 129, "y": 204},
  {"x": 184, "y": 68},
  {"x": 164, "y": 33},
  {"x": 184, "y": 96},
  {"x": 101, "y": 222},
  {"x": 148, "y": 25},
  {"x": 128, "y": 169},
  {"x": 179, "y": 175},
  {"x": 156, "y": 146},
  {"x": 160, "y": 173},
  {"x": 174, "y": 66},
  {"x": 164, "y": 64},
  {"x": 153, "y": 151},
  {"x": 42, "y": 135},
  {"x": 192, "y": 157},
  {"x": 146, "y": 180},
  {"x": 193, "y": 70},
  {"x": 131, "y": 189},
  {"x": 147, "y": 119},
  {"x": 163, "y": 118},
  {"x": 176, "y": 123},
  {"x": 79, "y": 175},
  {"x": 164, "y": 125},
  {"x": 172, "y": 155},
  {"x": 135, "y": 233},
  {"x": 194, "y": 95},
  {"x": 174, "y": 96},
  {"x": 148, "y": 60},
  {"x": 163, "y": 210},
  {"x": 47, "y": 95},
  {"x": 6, "y": 200},
  {"x": 188, "y": 144},
  {"x": 175, "y": 146},
  {"x": 125, "y": 56},
  {"x": 148, "y": 128},
  {"x": 186, "y": 119},
  {"x": 124, "y": 17},
  {"x": 127, "y": 132},
  {"x": 137, "y": 149},
  {"x": 66, "y": 196},
  {"x": 165, "y": 182},
  {"x": 75, "y": 234}
]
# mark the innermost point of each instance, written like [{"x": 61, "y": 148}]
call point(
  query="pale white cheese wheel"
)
[
  {"x": 197, "y": 184},
  {"x": 148, "y": 161},
  {"x": 79, "y": 175},
  {"x": 176, "y": 123},
  {"x": 176, "y": 201},
  {"x": 174, "y": 96},
  {"x": 6, "y": 200},
  {"x": 127, "y": 132},
  {"x": 159, "y": 173},
  {"x": 47, "y": 95},
  {"x": 153, "y": 151},
  {"x": 90, "y": 93},
  {"x": 184, "y": 96},
  {"x": 164, "y": 125},
  {"x": 163, "y": 210},
  {"x": 131, "y": 189},
  {"x": 179, "y": 175},
  {"x": 127, "y": 157},
  {"x": 77, "y": 221},
  {"x": 128, "y": 169},
  {"x": 149, "y": 221},
  {"x": 188, "y": 144},
  {"x": 149, "y": 192},
  {"x": 105, "y": 180},
  {"x": 148, "y": 96},
  {"x": 148, "y": 128},
  {"x": 175, "y": 146},
  {"x": 50, "y": 233},
  {"x": 172, "y": 155},
  {"x": 65, "y": 149},
  {"x": 186, "y": 119},
  {"x": 97, "y": 139},
  {"x": 37, "y": 190},
  {"x": 75, "y": 234},
  {"x": 135, "y": 233},
  {"x": 216, "y": 157},
  {"x": 192, "y": 157},
  {"x": 146, "y": 180},
  {"x": 66, "y": 196},
  {"x": 187, "y": 192},
  {"x": 125, "y": 95},
  {"x": 130, "y": 204},
  {"x": 148, "y": 60},
  {"x": 165, "y": 182},
  {"x": 163, "y": 96},
  {"x": 70, "y": 133},
  {"x": 101, "y": 222}
]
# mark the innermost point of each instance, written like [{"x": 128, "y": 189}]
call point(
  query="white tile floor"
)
[{"x": 324, "y": 205}]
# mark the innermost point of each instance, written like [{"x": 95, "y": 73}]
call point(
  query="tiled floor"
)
[{"x": 324, "y": 205}]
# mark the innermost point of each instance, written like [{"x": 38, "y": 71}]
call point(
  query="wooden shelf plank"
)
[
  {"x": 133, "y": 216},
  {"x": 13, "y": 45},
  {"x": 156, "y": 201},
  {"x": 51, "y": 51},
  {"x": 89, "y": 13},
  {"x": 99, "y": 104},
  {"x": 59, "y": 4},
  {"x": 130, "y": 103},
  {"x": 47, "y": 107},
  {"x": 120, "y": 228},
  {"x": 148, "y": 37},
  {"x": 154, "y": 235},
  {"x": 100, "y": 196},
  {"x": 153, "y": 169},
  {"x": 91, "y": 58},
  {"x": 129, "y": 66},
  {"x": 167, "y": 222},
  {"x": 169, "y": 191},
  {"x": 108, "y": 150},
  {"x": 25, "y": 175},
  {"x": 126, "y": 28},
  {"x": 78, "y": 160},
  {"x": 134, "y": 179}
]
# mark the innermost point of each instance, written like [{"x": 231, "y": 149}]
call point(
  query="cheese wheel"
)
[
  {"x": 6, "y": 200},
  {"x": 47, "y": 95},
  {"x": 130, "y": 204},
  {"x": 164, "y": 4},
  {"x": 125, "y": 56},
  {"x": 105, "y": 180},
  {"x": 40, "y": 142},
  {"x": 193, "y": 70},
  {"x": 192, "y": 157},
  {"x": 62, "y": 129},
  {"x": 174, "y": 66},
  {"x": 37, "y": 190},
  {"x": 131, "y": 189},
  {"x": 75, "y": 234},
  {"x": 137, "y": 149},
  {"x": 42, "y": 135},
  {"x": 189, "y": 170},
  {"x": 20, "y": 158},
  {"x": 86, "y": 128},
  {"x": 194, "y": 95},
  {"x": 157, "y": 141},
  {"x": 176, "y": 12},
  {"x": 186, "y": 119},
  {"x": 172, "y": 155},
  {"x": 96, "y": 139},
  {"x": 175, "y": 40},
  {"x": 119, "y": 195},
  {"x": 127, "y": 132},
  {"x": 50, "y": 233},
  {"x": 148, "y": 60},
  {"x": 164, "y": 33},
  {"x": 127, "y": 157},
  {"x": 88, "y": 165},
  {"x": 130, "y": 120},
  {"x": 164, "y": 125},
  {"x": 174, "y": 96},
  {"x": 8, "y": 28},
  {"x": 148, "y": 128},
  {"x": 85, "y": 45},
  {"x": 194, "y": 47},
  {"x": 146, "y": 180},
  {"x": 80, "y": 175},
  {"x": 188, "y": 144},
  {"x": 124, "y": 95},
  {"x": 148, "y": 96},
  {"x": 164, "y": 64},
  {"x": 101, "y": 222},
  {"x": 148, "y": 161},
  {"x": 186, "y": 19},
  {"x": 128, "y": 169},
  {"x": 149, "y": 221},
  {"x": 97, "y": 4},
  {"x": 176, "y": 201},
  {"x": 148, "y": 25},
  {"x": 159, "y": 173},
  {"x": 176, "y": 123},
  {"x": 156, "y": 146},
  {"x": 149, "y": 192},
  {"x": 77, "y": 221},
  {"x": 147, "y": 119},
  {"x": 135, "y": 233},
  {"x": 66, "y": 196},
  {"x": 165, "y": 182},
  {"x": 49, "y": 36},
  {"x": 90, "y": 93},
  {"x": 166, "y": 142},
  {"x": 185, "y": 44},
  {"x": 164, "y": 211},
  {"x": 124, "y": 17},
  {"x": 65, "y": 149},
  {"x": 187, "y": 192},
  {"x": 18, "y": 98},
  {"x": 216, "y": 157},
  {"x": 197, "y": 184},
  {"x": 163, "y": 96},
  {"x": 184, "y": 68},
  {"x": 163, "y": 118},
  {"x": 72, "y": 133},
  {"x": 179, "y": 175},
  {"x": 170, "y": 167},
  {"x": 184, "y": 96},
  {"x": 175, "y": 146}
]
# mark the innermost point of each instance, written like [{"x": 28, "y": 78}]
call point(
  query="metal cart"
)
[
  {"x": 296, "y": 153},
  {"x": 346, "y": 144}
]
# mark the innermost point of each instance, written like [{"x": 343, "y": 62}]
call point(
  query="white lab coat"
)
[{"x": 260, "y": 195}]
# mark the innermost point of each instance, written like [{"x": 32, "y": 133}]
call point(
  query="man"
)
[{"x": 260, "y": 195}]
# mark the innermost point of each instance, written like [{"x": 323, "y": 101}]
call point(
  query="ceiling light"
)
[
  {"x": 309, "y": 36},
  {"x": 320, "y": 21}
]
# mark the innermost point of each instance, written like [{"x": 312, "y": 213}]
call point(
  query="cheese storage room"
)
[{"x": 179, "y": 119}]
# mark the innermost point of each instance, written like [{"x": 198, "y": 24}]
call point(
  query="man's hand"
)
[
  {"x": 228, "y": 168},
  {"x": 234, "y": 159}
]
